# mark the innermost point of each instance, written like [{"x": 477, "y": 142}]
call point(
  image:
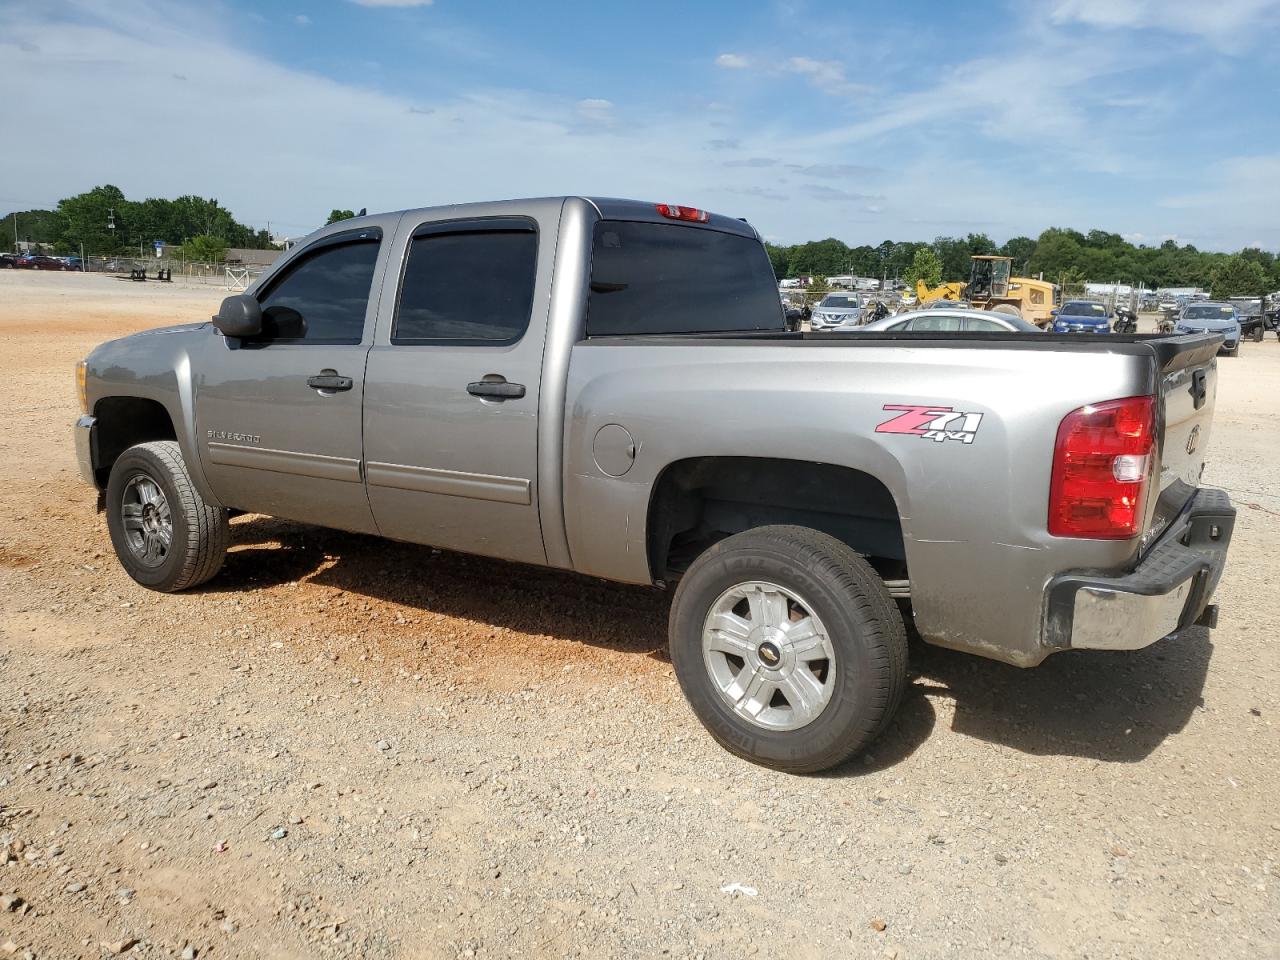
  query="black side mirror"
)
[{"x": 239, "y": 316}]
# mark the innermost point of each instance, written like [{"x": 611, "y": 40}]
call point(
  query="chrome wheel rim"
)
[
  {"x": 147, "y": 520},
  {"x": 769, "y": 656}
]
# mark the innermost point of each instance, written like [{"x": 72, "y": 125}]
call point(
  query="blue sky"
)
[{"x": 869, "y": 121}]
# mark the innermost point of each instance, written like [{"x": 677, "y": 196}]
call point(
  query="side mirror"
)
[
  {"x": 1053, "y": 313},
  {"x": 239, "y": 316}
]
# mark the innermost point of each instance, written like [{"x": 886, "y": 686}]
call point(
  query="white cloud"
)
[
  {"x": 302, "y": 20},
  {"x": 959, "y": 151},
  {"x": 394, "y": 3},
  {"x": 827, "y": 75},
  {"x": 1219, "y": 20},
  {"x": 596, "y": 110},
  {"x": 732, "y": 61},
  {"x": 1239, "y": 199}
]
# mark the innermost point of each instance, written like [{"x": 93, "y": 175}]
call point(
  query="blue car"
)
[{"x": 1081, "y": 316}]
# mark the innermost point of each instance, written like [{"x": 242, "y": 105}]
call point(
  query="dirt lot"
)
[{"x": 350, "y": 748}]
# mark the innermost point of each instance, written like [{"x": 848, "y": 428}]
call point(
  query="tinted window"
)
[
  {"x": 666, "y": 278},
  {"x": 472, "y": 287},
  {"x": 984, "y": 325},
  {"x": 322, "y": 298},
  {"x": 839, "y": 300},
  {"x": 1083, "y": 310},
  {"x": 939, "y": 324},
  {"x": 1210, "y": 312}
]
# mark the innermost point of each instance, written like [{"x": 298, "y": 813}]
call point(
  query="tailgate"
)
[{"x": 1187, "y": 375}]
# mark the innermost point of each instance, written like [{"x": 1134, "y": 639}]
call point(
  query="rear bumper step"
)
[{"x": 1167, "y": 592}]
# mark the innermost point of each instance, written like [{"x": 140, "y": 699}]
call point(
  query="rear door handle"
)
[
  {"x": 496, "y": 390},
  {"x": 329, "y": 380}
]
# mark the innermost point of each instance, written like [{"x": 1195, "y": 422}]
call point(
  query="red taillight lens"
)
[
  {"x": 1102, "y": 462},
  {"x": 677, "y": 212}
]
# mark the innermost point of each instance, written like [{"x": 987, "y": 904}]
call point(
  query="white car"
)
[{"x": 951, "y": 320}]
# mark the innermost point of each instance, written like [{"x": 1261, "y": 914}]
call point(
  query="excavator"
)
[{"x": 991, "y": 288}]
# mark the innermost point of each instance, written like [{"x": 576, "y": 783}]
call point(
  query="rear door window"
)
[
  {"x": 470, "y": 286},
  {"x": 983, "y": 324},
  {"x": 655, "y": 278}
]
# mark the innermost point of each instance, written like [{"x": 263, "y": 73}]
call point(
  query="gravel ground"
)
[{"x": 344, "y": 747}]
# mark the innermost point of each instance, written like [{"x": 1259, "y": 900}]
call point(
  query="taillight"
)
[
  {"x": 1102, "y": 462},
  {"x": 677, "y": 212}
]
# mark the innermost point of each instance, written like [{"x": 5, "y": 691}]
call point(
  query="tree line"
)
[
  {"x": 103, "y": 222},
  {"x": 1061, "y": 255}
]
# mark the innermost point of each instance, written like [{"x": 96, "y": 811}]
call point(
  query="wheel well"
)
[
  {"x": 123, "y": 422},
  {"x": 700, "y": 501}
]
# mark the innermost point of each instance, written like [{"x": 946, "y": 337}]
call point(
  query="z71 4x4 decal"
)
[{"x": 932, "y": 423}]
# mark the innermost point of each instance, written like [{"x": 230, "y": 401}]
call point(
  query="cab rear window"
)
[{"x": 655, "y": 278}]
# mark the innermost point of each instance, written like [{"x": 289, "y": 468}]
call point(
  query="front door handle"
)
[
  {"x": 496, "y": 390},
  {"x": 329, "y": 380}
]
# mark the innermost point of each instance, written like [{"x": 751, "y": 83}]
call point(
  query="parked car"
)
[
  {"x": 8, "y": 261},
  {"x": 38, "y": 261},
  {"x": 794, "y": 313},
  {"x": 1211, "y": 317},
  {"x": 836, "y": 311},
  {"x": 1081, "y": 316},
  {"x": 952, "y": 321},
  {"x": 612, "y": 392}
]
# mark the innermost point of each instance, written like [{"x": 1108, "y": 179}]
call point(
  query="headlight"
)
[{"x": 82, "y": 386}]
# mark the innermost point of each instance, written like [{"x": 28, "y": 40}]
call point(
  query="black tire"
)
[
  {"x": 199, "y": 534},
  {"x": 863, "y": 623}
]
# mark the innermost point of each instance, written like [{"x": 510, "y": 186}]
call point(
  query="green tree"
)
[
  {"x": 32, "y": 226},
  {"x": 1019, "y": 250},
  {"x": 335, "y": 215},
  {"x": 1072, "y": 281},
  {"x": 779, "y": 257},
  {"x": 88, "y": 217},
  {"x": 1238, "y": 277},
  {"x": 817, "y": 289},
  {"x": 205, "y": 248},
  {"x": 925, "y": 268}
]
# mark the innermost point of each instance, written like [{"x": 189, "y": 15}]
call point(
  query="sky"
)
[{"x": 868, "y": 121}]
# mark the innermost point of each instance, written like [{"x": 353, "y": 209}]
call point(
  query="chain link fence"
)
[{"x": 231, "y": 275}]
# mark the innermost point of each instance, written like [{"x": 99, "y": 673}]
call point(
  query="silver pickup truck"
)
[{"x": 607, "y": 386}]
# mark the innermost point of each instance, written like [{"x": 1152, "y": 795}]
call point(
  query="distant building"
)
[
  {"x": 1108, "y": 289},
  {"x": 241, "y": 257}
]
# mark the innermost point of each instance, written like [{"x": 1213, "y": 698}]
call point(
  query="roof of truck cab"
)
[
  {"x": 613, "y": 208},
  {"x": 609, "y": 208}
]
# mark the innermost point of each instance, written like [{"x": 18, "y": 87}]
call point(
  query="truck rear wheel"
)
[
  {"x": 788, "y": 648},
  {"x": 164, "y": 534}
]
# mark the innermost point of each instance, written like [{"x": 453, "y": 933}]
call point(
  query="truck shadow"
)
[
  {"x": 497, "y": 593},
  {"x": 1116, "y": 707},
  {"x": 1113, "y": 707}
]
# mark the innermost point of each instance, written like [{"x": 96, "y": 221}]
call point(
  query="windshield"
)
[
  {"x": 1210, "y": 311},
  {"x": 839, "y": 300},
  {"x": 1082, "y": 310}
]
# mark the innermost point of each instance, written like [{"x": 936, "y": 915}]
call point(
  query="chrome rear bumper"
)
[{"x": 1167, "y": 592}]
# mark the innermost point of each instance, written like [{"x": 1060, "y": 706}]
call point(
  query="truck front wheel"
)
[
  {"x": 164, "y": 534},
  {"x": 788, "y": 647}
]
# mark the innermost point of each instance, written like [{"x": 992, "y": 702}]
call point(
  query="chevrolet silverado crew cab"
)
[{"x": 607, "y": 386}]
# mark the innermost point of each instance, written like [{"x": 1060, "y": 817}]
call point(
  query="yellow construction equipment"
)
[{"x": 991, "y": 288}]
